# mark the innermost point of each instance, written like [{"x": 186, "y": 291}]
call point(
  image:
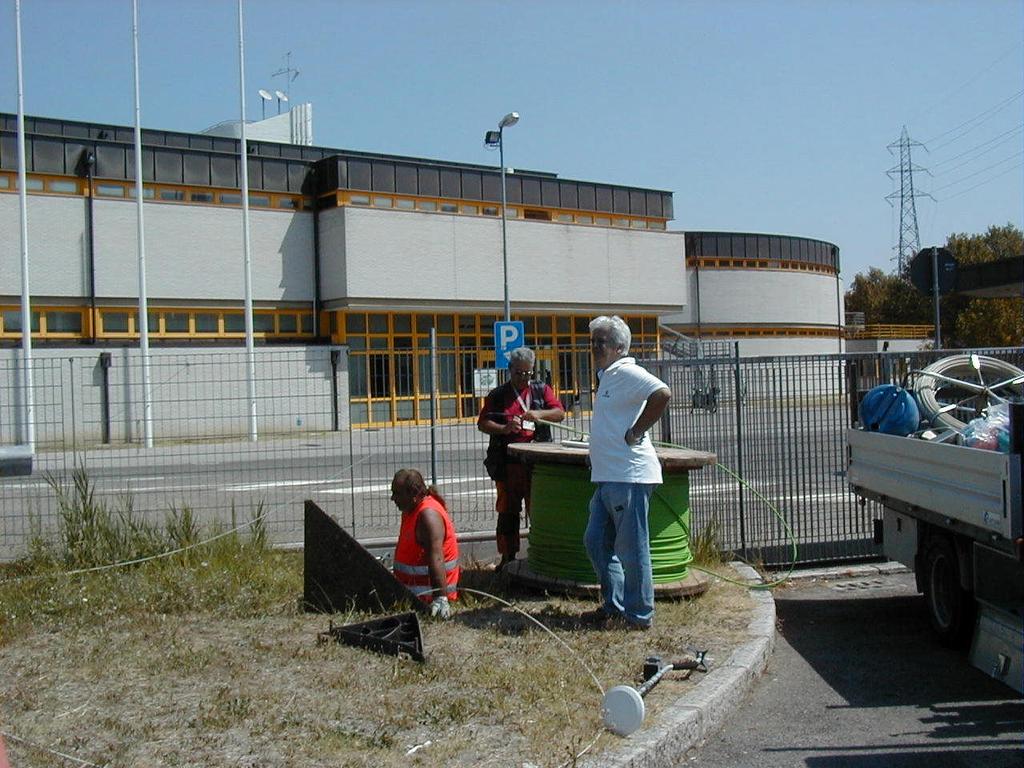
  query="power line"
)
[
  {"x": 969, "y": 80},
  {"x": 986, "y": 181},
  {"x": 977, "y": 120},
  {"x": 972, "y": 175},
  {"x": 1018, "y": 129}
]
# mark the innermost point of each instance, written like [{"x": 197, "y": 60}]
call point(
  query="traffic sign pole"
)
[{"x": 935, "y": 296}]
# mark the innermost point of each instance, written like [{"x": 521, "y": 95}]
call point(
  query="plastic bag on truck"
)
[{"x": 990, "y": 432}]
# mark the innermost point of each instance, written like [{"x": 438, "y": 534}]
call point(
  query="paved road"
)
[{"x": 857, "y": 680}]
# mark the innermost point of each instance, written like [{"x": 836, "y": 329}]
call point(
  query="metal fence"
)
[{"x": 777, "y": 422}]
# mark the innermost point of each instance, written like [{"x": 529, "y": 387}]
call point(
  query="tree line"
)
[{"x": 966, "y": 321}]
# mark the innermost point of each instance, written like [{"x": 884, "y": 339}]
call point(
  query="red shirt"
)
[{"x": 502, "y": 403}]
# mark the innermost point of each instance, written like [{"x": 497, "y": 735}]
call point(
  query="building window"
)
[
  {"x": 115, "y": 322},
  {"x": 63, "y": 322},
  {"x": 207, "y": 322},
  {"x": 110, "y": 190}
]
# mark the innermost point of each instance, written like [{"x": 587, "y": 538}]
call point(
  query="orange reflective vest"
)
[{"x": 410, "y": 564}]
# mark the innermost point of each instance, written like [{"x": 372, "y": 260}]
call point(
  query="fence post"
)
[
  {"x": 739, "y": 444},
  {"x": 433, "y": 405}
]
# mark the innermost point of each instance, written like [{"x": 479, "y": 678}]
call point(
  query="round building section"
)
[{"x": 773, "y": 294}]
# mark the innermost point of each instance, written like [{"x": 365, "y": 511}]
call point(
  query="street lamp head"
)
[
  {"x": 508, "y": 120},
  {"x": 492, "y": 138}
]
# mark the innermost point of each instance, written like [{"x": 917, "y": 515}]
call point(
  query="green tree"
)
[
  {"x": 966, "y": 321},
  {"x": 887, "y": 299},
  {"x": 977, "y": 322}
]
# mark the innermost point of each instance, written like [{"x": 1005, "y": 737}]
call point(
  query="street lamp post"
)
[{"x": 491, "y": 138}]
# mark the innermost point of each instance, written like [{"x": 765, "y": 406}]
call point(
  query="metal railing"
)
[{"x": 777, "y": 422}]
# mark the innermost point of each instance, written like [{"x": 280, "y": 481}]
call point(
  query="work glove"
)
[{"x": 439, "y": 608}]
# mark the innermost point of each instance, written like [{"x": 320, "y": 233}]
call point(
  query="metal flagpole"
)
[
  {"x": 250, "y": 349},
  {"x": 147, "y": 402},
  {"x": 29, "y": 427}
]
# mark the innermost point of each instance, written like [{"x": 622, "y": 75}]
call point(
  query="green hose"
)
[{"x": 558, "y": 519}]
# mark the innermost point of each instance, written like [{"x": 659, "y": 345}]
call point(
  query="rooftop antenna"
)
[
  {"x": 290, "y": 74},
  {"x": 265, "y": 96},
  {"x": 280, "y": 97}
]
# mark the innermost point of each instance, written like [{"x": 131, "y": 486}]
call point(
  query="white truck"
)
[{"x": 954, "y": 515}]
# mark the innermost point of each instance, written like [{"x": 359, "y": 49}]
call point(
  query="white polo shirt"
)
[{"x": 622, "y": 392}]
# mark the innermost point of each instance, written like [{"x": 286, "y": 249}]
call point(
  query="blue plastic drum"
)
[{"x": 889, "y": 409}]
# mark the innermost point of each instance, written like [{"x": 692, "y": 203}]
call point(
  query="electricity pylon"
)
[{"x": 910, "y": 239}]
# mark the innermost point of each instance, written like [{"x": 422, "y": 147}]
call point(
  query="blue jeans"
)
[{"x": 619, "y": 546}]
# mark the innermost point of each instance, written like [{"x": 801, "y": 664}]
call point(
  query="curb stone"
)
[{"x": 701, "y": 712}]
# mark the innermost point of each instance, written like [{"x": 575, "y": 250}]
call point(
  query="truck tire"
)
[{"x": 951, "y": 608}]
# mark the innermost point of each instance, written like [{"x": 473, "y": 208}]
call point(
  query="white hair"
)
[
  {"x": 522, "y": 354},
  {"x": 617, "y": 330}
]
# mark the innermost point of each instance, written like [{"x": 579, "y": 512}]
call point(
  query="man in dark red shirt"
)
[{"x": 510, "y": 415}]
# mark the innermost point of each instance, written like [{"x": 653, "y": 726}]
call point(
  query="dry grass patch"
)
[{"x": 207, "y": 660}]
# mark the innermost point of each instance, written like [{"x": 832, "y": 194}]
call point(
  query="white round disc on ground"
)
[{"x": 622, "y": 709}]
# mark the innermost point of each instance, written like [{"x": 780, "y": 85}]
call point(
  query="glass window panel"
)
[
  {"x": 207, "y": 322},
  {"x": 359, "y": 199},
  {"x": 403, "y": 342},
  {"x": 423, "y": 323},
  {"x": 173, "y": 194},
  {"x": 234, "y": 322},
  {"x": 230, "y": 198},
  {"x": 405, "y": 410},
  {"x": 378, "y": 322},
  {"x": 153, "y": 322},
  {"x": 448, "y": 408},
  {"x": 403, "y": 375},
  {"x": 380, "y": 201},
  {"x": 12, "y": 321},
  {"x": 514, "y": 213},
  {"x": 423, "y": 363},
  {"x": 378, "y": 342},
  {"x": 490, "y": 210},
  {"x": 357, "y": 375},
  {"x": 582, "y": 325},
  {"x": 355, "y": 322},
  {"x": 306, "y": 322},
  {"x": 446, "y": 342},
  {"x": 380, "y": 375},
  {"x": 584, "y": 219},
  {"x": 201, "y": 197},
  {"x": 543, "y": 324},
  {"x": 62, "y": 186},
  {"x": 449, "y": 208},
  {"x": 402, "y": 323},
  {"x": 565, "y": 217},
  {"x": 426, "y": 205},
  {"x": 64, "y": 322},
  {"x": 638, "y": 224},
  {"x": 405, "y": 203},
  {"x": 176, "y": 322},
  {"x": 259, "y": 200},
  {"x": 467, "y": 325},
  {"x": 32, "y": 185},
  {"x": 660, "y": 225},
  {"x": 285, "y": 202},
  {"x": 115, "y": 322},
  {"x": 602, "y": 221},
  {"x": 287, "y": 323},
  {"x": 563, "y": 324},
  {"x": 471, "y": 209},
  {"x": 358, "y": 411},
  {"x": 446, "y": 373},
  {"x": 109, "y": 190},
  {"x": 620, "y": 222},
  {"x": 356, "y": 342},
  {"x": 528, "y": 324},
  {"x": 445, "y": 324},
  {"x": 5, "y": 182}
]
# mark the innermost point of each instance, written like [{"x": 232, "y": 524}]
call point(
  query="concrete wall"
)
[
  {"x": 196, "y": 393},
  {"x": 193, "y": 252},
  {"x": 420, "y": 258}
]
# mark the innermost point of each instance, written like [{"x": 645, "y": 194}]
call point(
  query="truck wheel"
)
[{"x": 951, "y": 608}]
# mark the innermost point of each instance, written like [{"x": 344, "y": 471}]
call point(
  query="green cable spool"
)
[{"x": 559, "y": 509}]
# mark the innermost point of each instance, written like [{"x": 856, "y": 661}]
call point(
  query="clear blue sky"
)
[{"x": 760, "y": 116}]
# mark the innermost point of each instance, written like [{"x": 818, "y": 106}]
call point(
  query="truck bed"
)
[{"x": 978, "y": 488}]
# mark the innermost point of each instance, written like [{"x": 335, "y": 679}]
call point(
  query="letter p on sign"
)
[{"x": 508, "y": 335}]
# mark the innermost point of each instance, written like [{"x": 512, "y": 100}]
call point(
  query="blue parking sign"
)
[{"x": 508, "y": 335}]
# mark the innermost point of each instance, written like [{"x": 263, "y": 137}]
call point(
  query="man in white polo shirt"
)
[{"x": 626, "y": 470}]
